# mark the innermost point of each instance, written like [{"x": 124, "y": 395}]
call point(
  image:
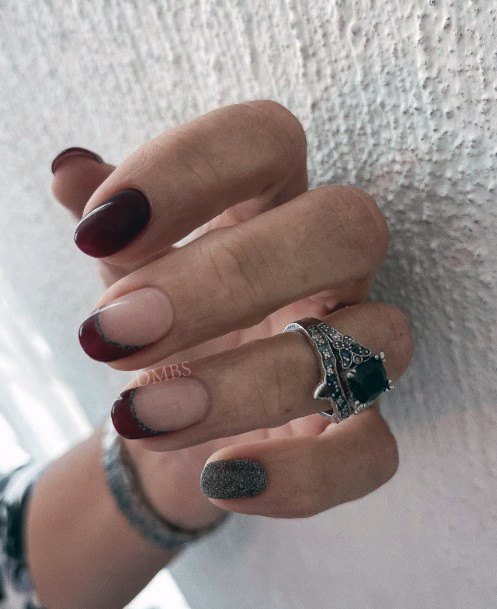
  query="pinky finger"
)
[
  {"x": 302, "y": 476},
  {"x": 77, "y": 174}
]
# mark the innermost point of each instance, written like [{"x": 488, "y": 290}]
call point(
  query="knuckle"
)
[
  {"x": 371, "y": 219},
  {"x": 311, "y": 503},
  {"x": 312, "y": 499},
  {"x": 381, "y": 450},
  {"x": 236, "y": 276},
  {"x": 305, "y": 495},
  {"x": 184, "y": 151},
  {"x": 302, "y": 504},
  {"x": 388, "y": 457},
  {"x": 284, "y": 124},
  {"x": 268, "y": 395},
  {"x": 399, "y": 329},
  {"x": 357, "y": 213},
  {"x": 305, "y": 508}
]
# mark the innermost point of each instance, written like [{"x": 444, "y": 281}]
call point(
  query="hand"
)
[{"x": 265, "y": 251}]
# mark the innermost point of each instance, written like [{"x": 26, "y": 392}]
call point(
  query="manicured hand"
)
[{"x": 262, "y": 251}]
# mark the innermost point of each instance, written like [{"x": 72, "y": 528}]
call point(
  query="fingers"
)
[
  {"x": 262, "y": 384},
  {"x": 302, "y": 476},
  {"x": 77, "y": 174},
  {"x": 328, "y": 238},
  {"x": 190, "y": 174}
]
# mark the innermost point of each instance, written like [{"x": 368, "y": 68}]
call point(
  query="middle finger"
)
[{"x": 330, "y": 238}]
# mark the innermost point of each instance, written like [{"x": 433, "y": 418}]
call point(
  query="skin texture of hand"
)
[{"x": 263, "y": 251}]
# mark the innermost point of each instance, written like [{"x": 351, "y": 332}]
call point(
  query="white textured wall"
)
[{"x": 398, "y": 97}]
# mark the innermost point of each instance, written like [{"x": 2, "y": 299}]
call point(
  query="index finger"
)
[{"x": 190, "y": 174}]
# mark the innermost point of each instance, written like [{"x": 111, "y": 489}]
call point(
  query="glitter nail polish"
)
[{"x": 233, "y": 478}]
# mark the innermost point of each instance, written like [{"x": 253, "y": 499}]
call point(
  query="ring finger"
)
[{"x": 263, "y": 384}]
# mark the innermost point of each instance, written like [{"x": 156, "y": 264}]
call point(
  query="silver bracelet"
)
[{"x": 125, "y": 486}]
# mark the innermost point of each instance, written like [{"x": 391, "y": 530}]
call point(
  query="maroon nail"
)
[
  {"x": 113, "y": 224},
  {"x": 98, "y": 346},
  {"x": 74, "y": 151},
  {"x": 125, "y": 419}
]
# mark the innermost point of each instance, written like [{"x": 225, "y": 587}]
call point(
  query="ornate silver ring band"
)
[{"x": 352, "y": 375}]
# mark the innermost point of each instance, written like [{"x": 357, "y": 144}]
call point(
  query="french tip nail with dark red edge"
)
[
  {"x": 126, "y": 421},
  {"x": 75, "y": 151},
  {"x": 98, "y": 346},
  {"x": 113, "y": 224}
]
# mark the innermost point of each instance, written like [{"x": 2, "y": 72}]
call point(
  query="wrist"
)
[{"x": 170, "y": 480}]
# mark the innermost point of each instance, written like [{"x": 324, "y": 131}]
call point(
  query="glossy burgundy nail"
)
[
  {"x": 98, "y": 346},
  {"x": 74, "y": 151},
  {"x": 126, "y": 421},
  {"x": 113, "y": 224}
]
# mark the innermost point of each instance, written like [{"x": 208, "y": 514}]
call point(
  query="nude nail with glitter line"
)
[
  {"x": 126, "y": 325},
  {"x": 233, "y": 479},
  {"x": 125, "y": 419},
  {"x": 160, "y": 407}
]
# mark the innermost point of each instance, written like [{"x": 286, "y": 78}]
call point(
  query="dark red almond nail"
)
[
  {"x": 74, "y": 151},
  {"x": 113, "y": 224},
  {"x": 125, "y": 419},
  {"x": 100, "y": 347}
]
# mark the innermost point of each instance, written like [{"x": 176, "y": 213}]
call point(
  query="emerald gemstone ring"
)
[{"x": 353, "y": 377}]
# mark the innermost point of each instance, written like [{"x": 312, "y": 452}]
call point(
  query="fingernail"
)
[
  {"x": 71, "y": 152},
  {"x": 160, "y": 407},
  {"x": 113, "y": 224},
  {"x": 233, "y": 478},
  {"x": 126, "y": 325}
]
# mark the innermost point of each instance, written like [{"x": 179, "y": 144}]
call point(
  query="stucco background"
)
[{"x": 397, "y": 97}]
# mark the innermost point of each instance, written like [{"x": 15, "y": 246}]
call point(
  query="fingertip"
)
[
  {"x": 255, "y": 478},
  {"x": 74, "y": 152},
  {"x": 77, "y": 173}
]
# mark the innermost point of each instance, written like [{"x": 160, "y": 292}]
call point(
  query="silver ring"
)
[{"x": 352, "y": 375}]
